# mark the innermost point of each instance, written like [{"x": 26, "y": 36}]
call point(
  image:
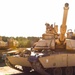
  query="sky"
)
[{"x": 28, "y": 17}]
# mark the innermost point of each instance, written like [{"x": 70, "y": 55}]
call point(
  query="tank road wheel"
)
[
  {"x": 57, "y": 71},
  {"x": 68, "y": 71},
  {"x": 74, "y": 70},
  {"x": 26, "y": 69},
  {"x": 50, "y": 71}
]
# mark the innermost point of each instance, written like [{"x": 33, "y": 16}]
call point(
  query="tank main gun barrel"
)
[
  {"x": 65, "y": 13},
  {"x": 63, "y": 26}
]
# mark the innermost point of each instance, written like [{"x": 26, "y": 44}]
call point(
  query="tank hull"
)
[
  {"x": 58, "y": 60},
  {"x": 49, "y": 61},
  {"x": 54, "y": 61}
]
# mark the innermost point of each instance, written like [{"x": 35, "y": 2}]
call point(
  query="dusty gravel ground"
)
[{"x": 5, "y": 70}]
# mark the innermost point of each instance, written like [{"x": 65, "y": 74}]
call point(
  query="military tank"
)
[
  {"x": 10, "y": 44},
  {"x": 53, "y": 54}
]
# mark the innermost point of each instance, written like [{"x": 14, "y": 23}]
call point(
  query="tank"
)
[
  {"x": 53, "y": 54},
  {"x": 10, "y": 44}
]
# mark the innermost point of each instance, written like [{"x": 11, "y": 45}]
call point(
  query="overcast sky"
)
[{"x": 28, "y": 17}]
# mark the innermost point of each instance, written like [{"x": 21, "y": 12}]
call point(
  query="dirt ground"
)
[{"x": 5, "y": 70}]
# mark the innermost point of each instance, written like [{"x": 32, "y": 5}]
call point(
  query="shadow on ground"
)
[
  {"x": 33, "y": 73},
  {"x": 2, "y": 65}
]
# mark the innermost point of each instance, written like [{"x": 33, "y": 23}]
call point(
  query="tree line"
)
[{"x": 24, "y": 42}]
